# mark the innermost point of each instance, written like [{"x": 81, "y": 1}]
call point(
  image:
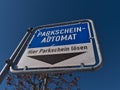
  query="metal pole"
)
[
  {"x": 4, "y": 72},
  {"x": 12, "y": 59}
]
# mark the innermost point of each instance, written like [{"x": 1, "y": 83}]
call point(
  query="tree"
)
[{"x": 43, "y": 81}]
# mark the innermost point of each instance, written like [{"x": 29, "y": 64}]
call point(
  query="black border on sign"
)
[{"x": 82, "y": 67}]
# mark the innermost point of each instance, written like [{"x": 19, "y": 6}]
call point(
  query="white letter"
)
[
  {"x": 63, "y": 37},
  {"x": 57, "y": 38},
  {"x": 74, "y": 36},
  {"x": 44, "y": 40}
]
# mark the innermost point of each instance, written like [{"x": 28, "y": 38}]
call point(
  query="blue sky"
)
[{"x": 18, "y": 15}]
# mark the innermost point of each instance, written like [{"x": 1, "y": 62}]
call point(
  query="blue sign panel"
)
[{"x": 61, "y": 35}]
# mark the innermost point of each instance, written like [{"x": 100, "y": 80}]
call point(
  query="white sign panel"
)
[{"x": 59, "y": 46}]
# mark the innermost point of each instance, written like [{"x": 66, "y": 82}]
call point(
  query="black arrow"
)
[{"x": 55, "y": 58}]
